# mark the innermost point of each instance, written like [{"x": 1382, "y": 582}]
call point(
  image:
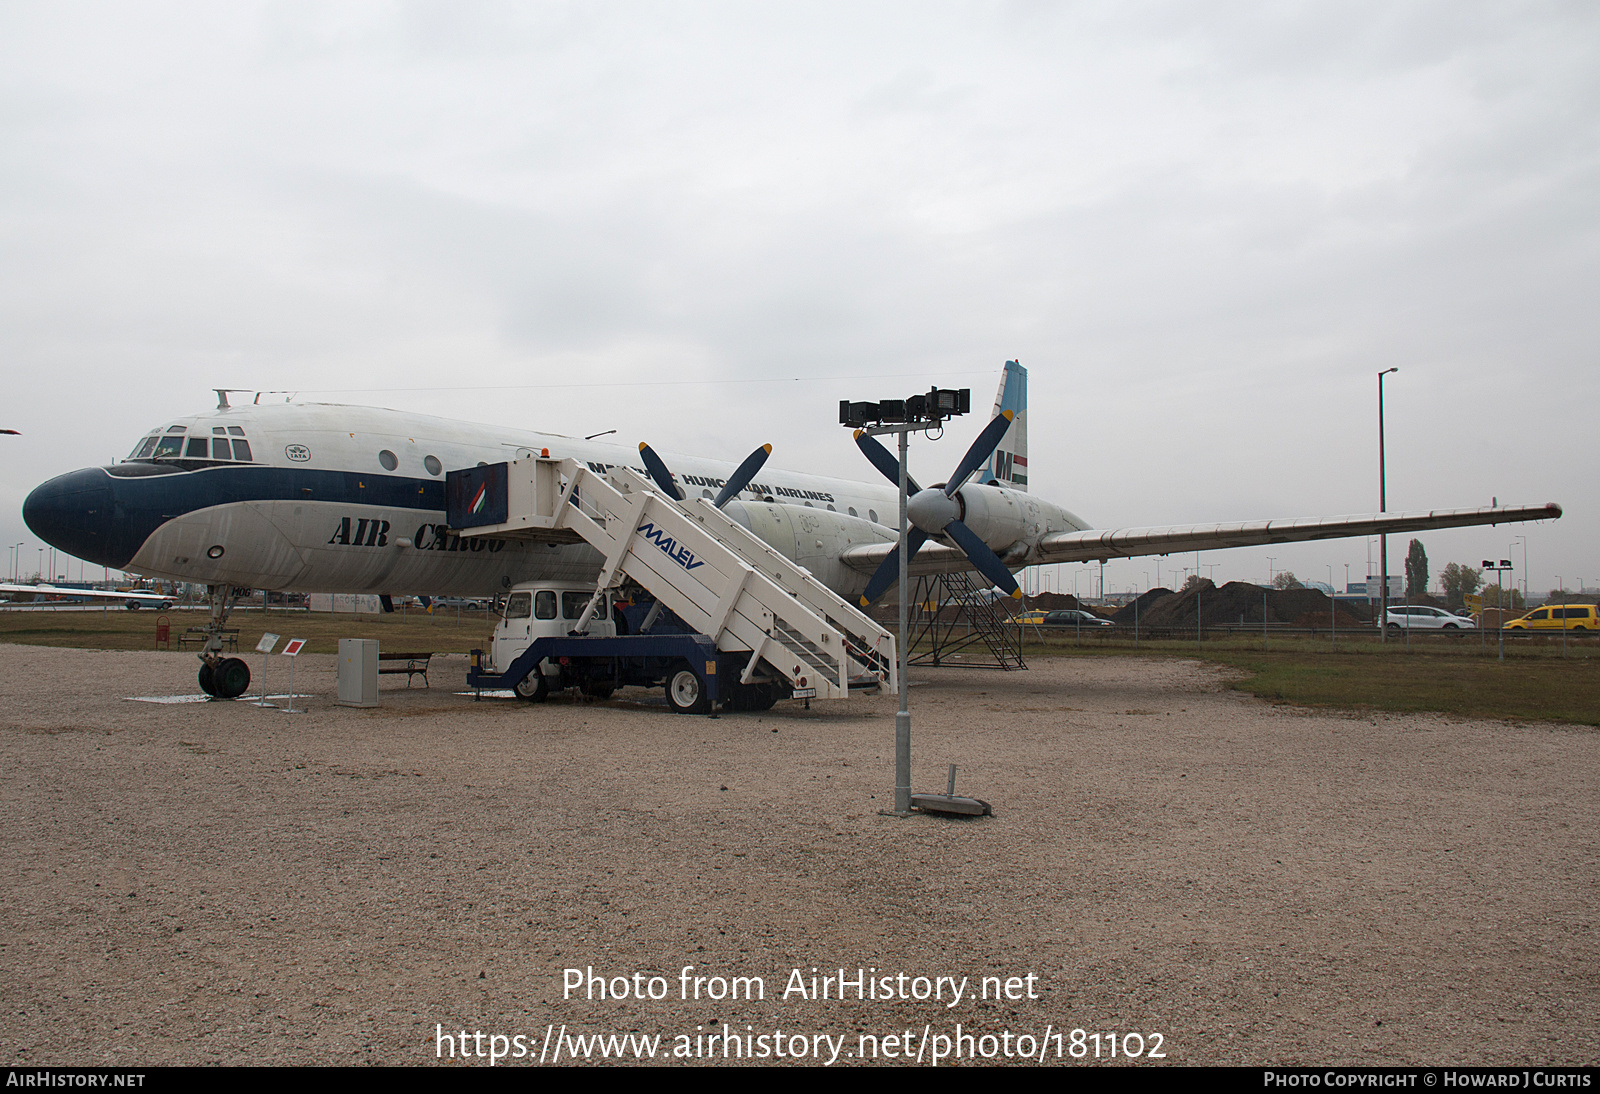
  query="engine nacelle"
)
[
  {"x": 998, "y": 516},
  {"x": 814, "y": 538}
]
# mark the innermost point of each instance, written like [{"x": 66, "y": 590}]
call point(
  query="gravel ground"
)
[{"x": 220, "y": 883}]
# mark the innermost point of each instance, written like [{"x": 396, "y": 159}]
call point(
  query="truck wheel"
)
[
  {"x": 686, "y": 693},
  {"x": 601, "y": 690},
  {"x": 533, "y": 687}
]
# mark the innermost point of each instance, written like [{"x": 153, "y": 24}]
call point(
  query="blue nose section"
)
[{"x": 76, "y": 513}]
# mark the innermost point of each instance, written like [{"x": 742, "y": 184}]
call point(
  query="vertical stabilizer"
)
[{"x": 1008, "y": 466}]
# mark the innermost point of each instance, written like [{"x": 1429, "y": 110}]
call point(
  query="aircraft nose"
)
[{"x": 75, "y": 513}]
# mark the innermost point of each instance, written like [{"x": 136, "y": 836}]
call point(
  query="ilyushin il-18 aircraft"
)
[{"x": 313, "y": 497}]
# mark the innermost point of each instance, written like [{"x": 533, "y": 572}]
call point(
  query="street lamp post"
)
[
  {"x": 916, "y": 415},
  {"x": 1500, "y": 598},
  {"x": 1383, "y": 507}
]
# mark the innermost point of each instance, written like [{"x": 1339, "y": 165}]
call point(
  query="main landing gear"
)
[{"x": 222, "y": 677}]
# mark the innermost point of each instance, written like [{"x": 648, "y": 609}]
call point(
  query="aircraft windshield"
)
[{"x": 228, "y": 445}]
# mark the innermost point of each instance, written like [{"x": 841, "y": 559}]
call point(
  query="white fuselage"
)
[{"x": 326, "y": 498}]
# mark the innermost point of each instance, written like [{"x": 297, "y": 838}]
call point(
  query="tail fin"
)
[{"x": 1008, "y": 466}]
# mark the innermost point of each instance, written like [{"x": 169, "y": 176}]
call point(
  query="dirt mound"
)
[
  {"x": 1236, "y": 602},
  {"x": 1140, "y": 607}
]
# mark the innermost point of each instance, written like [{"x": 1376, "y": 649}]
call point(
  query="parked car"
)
[
  {"x": 1418, "y": 617},
  {"x": 471, "y": 604},
  {"x": 1555, "y": 617},
  {"x": 1072, "y": 617}
]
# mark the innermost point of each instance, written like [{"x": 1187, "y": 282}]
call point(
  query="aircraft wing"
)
[
  {"x": 1129, "y": 542},
  {"x": 93, "y": 594},
  {"x": 1094, "y": 545}
]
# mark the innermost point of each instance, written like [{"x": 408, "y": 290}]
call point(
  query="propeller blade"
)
[
  {"x": 888, "y": 570},
  {"x": 979, "y": 452},
  {"x": 884, "y": 460},
  {"x": 741, "y": 478},
  {"x": 659, "y": 473},
  {"x": 987, "y": 562}
]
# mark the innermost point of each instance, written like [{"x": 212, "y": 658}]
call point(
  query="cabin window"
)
[
  {"x": 235, "y": 431},
  {"x": 217, "y": 429},
  {"x": 177, "y": 429},
  {"x": 241, "y": 450},
  {"x": 853, "y": 512},
  {"x": 432, "y": 464},
  {"x": 389, "y": 460},
  {"x": 144, "y": 448},
  {"x": 572, "y": 605},
  {"x": 221, "y": 449},
  {"x": 169, "y": 446},
  {"x": 545, "y": 608},
  {"x": 197, "y": 449},
  {"x": 517, "y": 605},
  {"x": 872, "y": 515}
]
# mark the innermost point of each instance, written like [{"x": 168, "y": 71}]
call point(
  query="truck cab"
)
[{"x": 546, "y": 609}]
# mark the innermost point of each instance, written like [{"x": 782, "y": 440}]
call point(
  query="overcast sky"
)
[{"x": 1204, "y": 228}]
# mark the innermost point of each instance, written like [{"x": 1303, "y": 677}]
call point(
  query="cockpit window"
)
[{"x": 226, "y": 443}]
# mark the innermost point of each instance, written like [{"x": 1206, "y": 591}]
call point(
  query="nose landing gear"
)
[{"x": 222, "y": 677}]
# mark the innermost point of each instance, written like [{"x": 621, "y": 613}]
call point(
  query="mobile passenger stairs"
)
[{"x": 763, "y": 628}]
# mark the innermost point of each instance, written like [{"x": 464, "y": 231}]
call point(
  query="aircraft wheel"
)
[
  {"x": 533, "y": 687},
  {"x": 230, "y": 679},
  {"x": 686, "y": 692},
  {"x": 205, "y": 679}
]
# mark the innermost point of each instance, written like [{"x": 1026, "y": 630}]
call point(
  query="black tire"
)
[
  {"x": 1394, "y": 628},
  {"x": 205, "y": 679},
  {"x": 1449, "y": 627},
  {"x": 534, "y": 687},
  {"x": 1580, "y": 628},
  {"x": 600, "y": 690},
  {"x": 230, "y": 679},
  {"x": 686, "y": 692},
  {"x": 760, "y": 697}
]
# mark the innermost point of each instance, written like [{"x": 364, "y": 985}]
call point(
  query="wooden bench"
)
[
  {"x": 412, "y": 664},
  {"x": 196, "y": 636}
]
